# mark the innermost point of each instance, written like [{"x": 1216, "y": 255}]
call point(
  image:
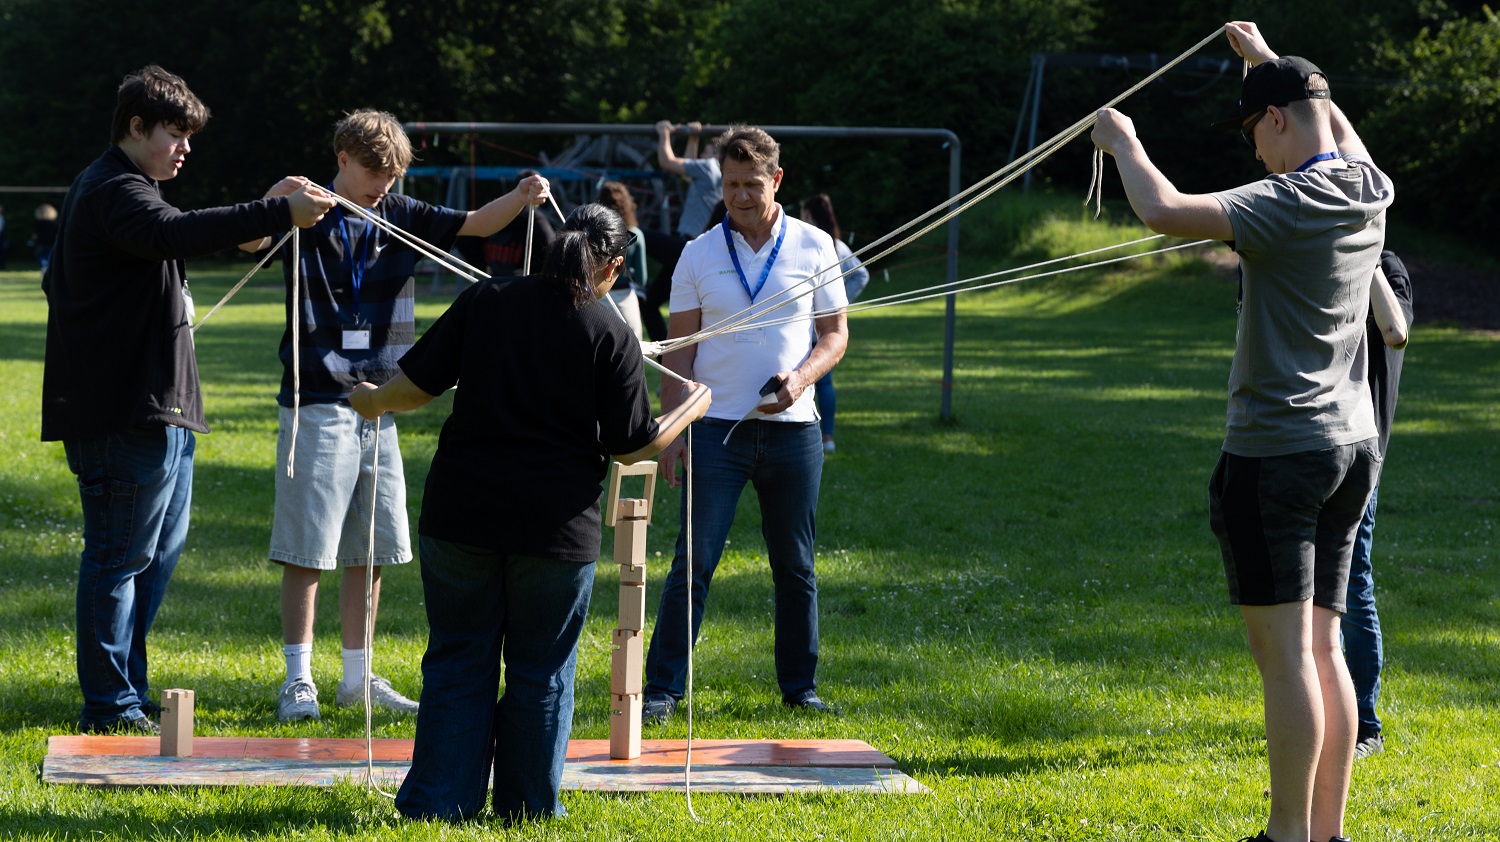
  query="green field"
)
[{"x": 1024, "y": 607}]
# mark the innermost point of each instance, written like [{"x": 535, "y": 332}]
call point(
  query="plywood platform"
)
[{"x": 743, "y": 766}]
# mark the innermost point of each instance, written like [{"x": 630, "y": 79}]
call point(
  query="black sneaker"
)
[
  {"x": 657, "y": 711},
  {"x": 813, "y": 703},
  {"x": 138, "y": 727},
  {"x": 1339, "y": 839},
  {"x": 1368, "y": 746}
]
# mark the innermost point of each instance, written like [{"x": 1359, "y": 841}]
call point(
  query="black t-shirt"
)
[
  {"x": 546, "y": 393},
  {"x": 1385, "y": 361}
]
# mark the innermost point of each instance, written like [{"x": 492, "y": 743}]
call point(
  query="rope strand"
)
[{"x": 236, "y": 288}]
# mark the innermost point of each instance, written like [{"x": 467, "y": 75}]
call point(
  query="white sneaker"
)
[
  {"x": 382, "y": 695},
  {"x": 298, "y": 700}
]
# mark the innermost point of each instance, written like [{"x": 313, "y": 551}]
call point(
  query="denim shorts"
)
[
  {"x": 1286, "y": 524},
  {"x": 322, "y": 518}
]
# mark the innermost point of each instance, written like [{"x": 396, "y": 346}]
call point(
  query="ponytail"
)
[{"x": 592, "y": 236}]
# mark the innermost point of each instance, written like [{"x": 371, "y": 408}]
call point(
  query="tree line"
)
[{"x": 1420, "y": 79}]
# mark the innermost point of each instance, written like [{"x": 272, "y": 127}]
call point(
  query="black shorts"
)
[{"x": 1286, "y": 524}]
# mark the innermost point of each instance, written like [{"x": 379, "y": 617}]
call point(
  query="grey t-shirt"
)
[
  {"x": 704, "y": 189},
  {"x": 1309, "y": 243}
]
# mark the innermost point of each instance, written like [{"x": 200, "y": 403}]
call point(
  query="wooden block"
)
[
  {"x": 177, "y": 723},
  {"x": 625, "y": 662},
  {"x": 632, "y": 607},
  {"x": 624, "y": 726},
  {"x": 632, "y": 574},
  {"x": 632, "y": 508},
  {"x": 617, "y": 471},
  {"x": 630, "y": 542}
]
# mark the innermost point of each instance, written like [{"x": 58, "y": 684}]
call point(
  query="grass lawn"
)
[{"x": 1025, "y": 607}]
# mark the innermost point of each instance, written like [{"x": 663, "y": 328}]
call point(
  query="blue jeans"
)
[
  {"x": 484, "y": 606},
  {"x": 827, "y": 402},
  {"x": 784, "y": 461},
  {"x": 1363, "y": 651},
  {"x": 136, "y": 489}
]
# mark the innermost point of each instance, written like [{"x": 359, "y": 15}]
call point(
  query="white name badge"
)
[
  {"x": 754, "y": 336},
  {"x": 356, "y": 339}
]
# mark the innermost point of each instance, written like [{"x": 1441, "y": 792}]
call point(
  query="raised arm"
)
[
  {"x": 1344, "y": 135},
  {"x": 1163, "y": 208},
  {"x": 533, "y": 190},
  {"x": 665, "y": 157}
]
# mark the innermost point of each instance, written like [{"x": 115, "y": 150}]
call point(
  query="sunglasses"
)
[{"x": 1247, "y": 131}]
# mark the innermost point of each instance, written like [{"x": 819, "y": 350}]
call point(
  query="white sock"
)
[
  {"x": 298, "y": 661},
  {"x": 354, "y": 667}
]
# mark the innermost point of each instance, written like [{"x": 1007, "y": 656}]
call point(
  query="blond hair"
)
[{"x": 376, "y": 140}]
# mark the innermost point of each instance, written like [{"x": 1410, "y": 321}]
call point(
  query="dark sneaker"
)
[
  {"x": 657, "y": 711},
  {"x": 138, "y": 727},
  {"x": 1259, "y": 837},
  {"x": 813, "y": 703},
  {"x": 1369, "y": 746},
  {"x": 1339, "y": 839}
]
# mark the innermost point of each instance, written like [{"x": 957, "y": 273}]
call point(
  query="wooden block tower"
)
[{"x": 629, "y": 517}]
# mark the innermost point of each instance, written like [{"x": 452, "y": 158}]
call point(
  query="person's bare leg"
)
[
  {"x": 1340, "y": 724},
  {"x": 299, "y": 603},
  {"x": 352, "y": 606},
  {"x": 1281, "y": 643}
]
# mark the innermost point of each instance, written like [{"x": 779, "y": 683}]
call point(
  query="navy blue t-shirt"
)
[
  {"x": 385, "y": 303},
  {"x": 546, "y": 392}
]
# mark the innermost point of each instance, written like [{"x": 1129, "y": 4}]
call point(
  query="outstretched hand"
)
[
  {"x": 535, "y": 190},
  {"x": 286, "y": 187},
  {"x": 308, "y": 205},
  {"x": 1112, "y": 130},
  {"x": 362, "y": 399},
  {"x": 1247, "y": 42}
]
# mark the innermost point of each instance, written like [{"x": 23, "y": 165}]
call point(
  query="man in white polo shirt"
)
[{"x": 759, "y": 256}]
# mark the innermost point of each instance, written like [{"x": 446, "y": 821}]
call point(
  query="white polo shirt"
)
[{"x": 735, "y": 365}]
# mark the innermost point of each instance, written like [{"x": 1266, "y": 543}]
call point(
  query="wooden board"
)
[{"x": 735, "y": 766}]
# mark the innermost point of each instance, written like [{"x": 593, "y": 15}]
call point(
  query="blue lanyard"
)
[
  {"x": 356, "y": 267},
  {"x": 1316, "y": 159},
  {"x": 765, "y": 271}
]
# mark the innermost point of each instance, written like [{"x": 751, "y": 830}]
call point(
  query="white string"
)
[
  {"x": 1009, "y": 172},
  {"x": 915, "y": 297},
  {"x": 647, "y": 360},
  {"x": 296, "y": 325},
  {"x": 687, "y": 698},
  {"x": 447, "y": 261},
  {"x": 236, "y": 288},
  {"x": 530, "y": 225},
  {"x": 370, "y": 617},
  {"x": 1096, "y": 183}
]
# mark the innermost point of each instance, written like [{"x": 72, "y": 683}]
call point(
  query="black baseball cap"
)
[{"x": 1276, "y": 82}]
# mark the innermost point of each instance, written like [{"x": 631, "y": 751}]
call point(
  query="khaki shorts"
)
[{"x": 322, "y": 518}]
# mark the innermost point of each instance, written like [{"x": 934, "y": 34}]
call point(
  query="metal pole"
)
[
  {"x": 950, "y": 307},
  {"x": 1040, "y": 60}
]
